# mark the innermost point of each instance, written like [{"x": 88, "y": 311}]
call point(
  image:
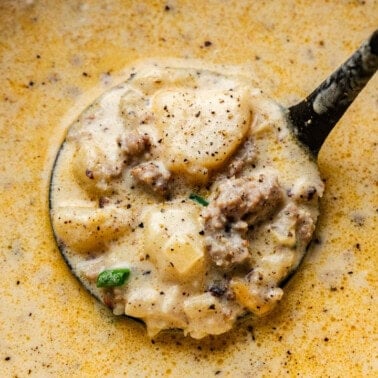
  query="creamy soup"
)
[
  {"x": 124, "y": 202},
  {"x": 56, "y": 59}
]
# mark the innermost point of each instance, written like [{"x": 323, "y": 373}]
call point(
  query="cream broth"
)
[{"x": 58, "y": 57}]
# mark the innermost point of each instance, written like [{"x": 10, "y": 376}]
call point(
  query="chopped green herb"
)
[
  {"x": 112, "y": 277},
  {"x": 198, "y": 199}
]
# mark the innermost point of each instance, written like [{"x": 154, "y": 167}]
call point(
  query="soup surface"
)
[
  {"x": 56, "y": 58},
  {"x": 123, "y": 198}
]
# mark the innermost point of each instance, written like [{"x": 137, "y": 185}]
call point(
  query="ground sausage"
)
[
  {"x": 249, "y": 199},
  {"x": 238, "y": 204},
  {"x": 134, "y": 143},
  {"x": 153, "y": 174}
]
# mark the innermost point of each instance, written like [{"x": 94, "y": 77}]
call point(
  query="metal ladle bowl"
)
[{"x": 313, "y": 119}]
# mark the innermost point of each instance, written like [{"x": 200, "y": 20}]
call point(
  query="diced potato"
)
[
  {"x": 143, "y": 302},
  {"x": 171, "y": 236},
  {"x": 258, "y": 300},
  {"x": 92, "y": 167},
  {"x": 169, "y": 314},
  {"x": 280, "y": 263},
  {"x": 84, "y": 229},
  {"x": 171, "y": 301},
  {"x": 183, "y": 254},
  {"x": 206, "y": 315},
  {"x": 97, "y": 156},
  {"x": 200, "y": 129},
  {"x": 158, "y": 311}
]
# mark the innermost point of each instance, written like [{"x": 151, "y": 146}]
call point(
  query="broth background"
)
[{"x": 58, "y": 56}]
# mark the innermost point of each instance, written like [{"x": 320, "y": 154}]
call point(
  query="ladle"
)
[{"x": 314, "y": 118}]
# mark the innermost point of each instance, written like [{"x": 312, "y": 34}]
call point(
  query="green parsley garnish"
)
[
  {"x": 112, "y": 277},
  {"x": 198, "y": 199}
]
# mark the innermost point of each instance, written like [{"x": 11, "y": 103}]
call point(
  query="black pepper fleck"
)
[{"x": 89, "y": 174}]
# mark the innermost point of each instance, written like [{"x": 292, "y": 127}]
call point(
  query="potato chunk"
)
[
  {"x": 85, "y": 229},
  {"x": 183, "y": 253},
  {"x": 172, "y": 239},
  {"x": 142, "y": 303},
  {"x": 200, "y": 129},
  {"x": 207, "y": 315},
  {"x": 259, "y": 300},
  {"x": 94, "y": 166},
  {"x": 157, "y": 311}
]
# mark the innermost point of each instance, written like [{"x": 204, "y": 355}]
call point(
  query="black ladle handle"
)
[{"x": 314, "y": 118}]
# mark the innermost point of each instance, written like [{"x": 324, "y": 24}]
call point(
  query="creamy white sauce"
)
[{"x": 122, "y": 182}]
